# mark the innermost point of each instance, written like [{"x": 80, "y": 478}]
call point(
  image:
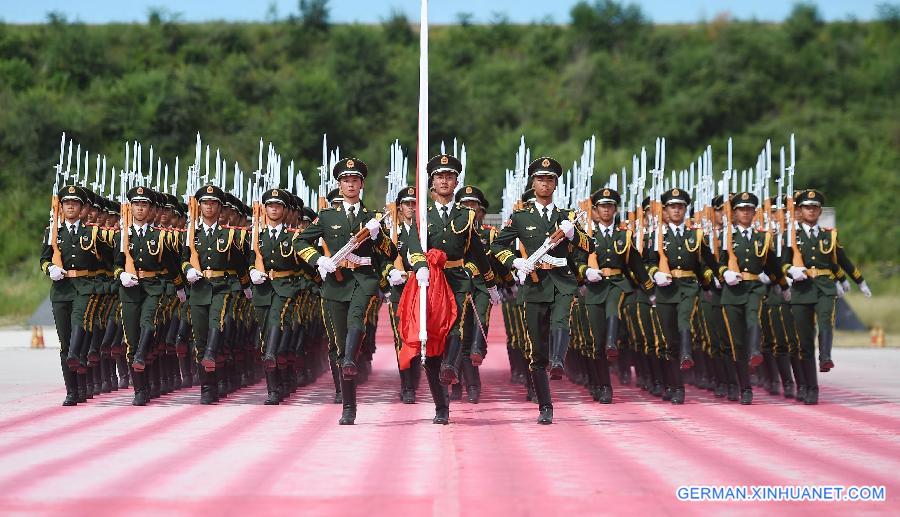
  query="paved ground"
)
[{"x": 240, "y": 457}]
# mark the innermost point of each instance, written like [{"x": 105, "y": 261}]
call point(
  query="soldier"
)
[
  {"x": 397, "y": 277},
  {"x": 148, "y": 259},
  {"x": 607, "y": 284},
  {"x": 689, "y": 259},
  {"x": 476, "y": 328},
  {"x": 747, "y": 268},
  {"x": 549, "y": 285},
  {"x": 813, "y": 294},
  {"x": 220, "y": 258},
  {"x": 72, "y": 270},
  {"x": 275, "y": 286},
  {"x": 452, "y": 229},
  {"x": 350, "y": 286}
]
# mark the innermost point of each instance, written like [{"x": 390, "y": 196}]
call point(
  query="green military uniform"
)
[
  {"x": 607, "y": 287},
  {"x": 742, "y": 298},
  {"x": 140, "y": 295},
  {"x": 348, "y": 292},
  {"x": 221, "y": 259},
  {"x": 813, "y": 292},
  {"x": 548, "y": 300},
  {"x": 72, "y": 291},
  {"x": 690, "y": 262}
]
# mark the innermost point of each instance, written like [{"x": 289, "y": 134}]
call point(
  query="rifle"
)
[
  {"x": 726, "y": 226},
  {"x": 256, "y": 224},
  {"x": 592, "y": 258},
  {"x": 125, "y": 215},
  {"x": 193, "y": 213}
]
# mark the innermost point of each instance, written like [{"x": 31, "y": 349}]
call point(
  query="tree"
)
[{"x": 314, "y": 14}]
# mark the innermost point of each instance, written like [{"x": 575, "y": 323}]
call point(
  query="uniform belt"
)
[
  {"x": 545, "y": 265},
  {"x": 681, "y": 273},
  {"x": 749, "y": 276},
  {"x": 454, "y": 263},
  {"x": 347, "y": 264},
  {"x": 148, "y": 274},
  {"x": 281, "y": 274},
  {"x": 79, "y": 273},
  {"x": 212, "y": 273},
  {"x": 813, "y": 272},
  {"x": 610, "y": 271}
]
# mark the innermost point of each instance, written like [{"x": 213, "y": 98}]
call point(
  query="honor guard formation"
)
[{"x": 724, "y": 280}]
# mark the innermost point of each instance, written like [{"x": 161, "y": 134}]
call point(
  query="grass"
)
[{"x": 22, "y": 290}]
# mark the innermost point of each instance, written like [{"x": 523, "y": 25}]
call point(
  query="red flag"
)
[{"x": 441, "y": 312}]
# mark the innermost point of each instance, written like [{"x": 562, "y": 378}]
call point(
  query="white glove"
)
[
  {"x": 717, "y": 283},
  {"x": 520, "y": 277},
  {"x": 840, "y": 289},
  {"x": 495, "y": 296},
  {"x": 764, "y": 278},
  {"x": 326, "y": 264},
  {"x": 374, "y": 227},
  {"x": 846, "y": 285},
  {"x": 396, "y": 277},
  {"x": 568, "y": 229},
  {"x": 127, "y": 279},
  {"x": 193, "y": 275},
  {"x": 56, "y": 273},
  {"x": 182, "y": 297},
  {"x": 789, "y": 280},
  {"x": 732, "y": 277},
  {"x": 257, "y": 276},
  {"x": 797, "y": 273},
  {"x": 422, "y": 276},
  {"x": 592, "y": 275},
  {"x": 864, "y": 287},
  {"x": 523, "y": 266},
  {"x": 248, "y": 293},
  {"x": 653, "y": 300},
  {"x": 786, "y": 294},
  {"x": 662, "y": 279}
]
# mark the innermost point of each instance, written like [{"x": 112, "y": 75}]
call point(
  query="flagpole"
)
[{"x": 422, "y": 160}]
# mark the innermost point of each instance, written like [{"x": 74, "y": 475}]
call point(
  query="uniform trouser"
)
[
  {"x": 275, "y": 315},
  {"x": 714, "y": 328},
  {"x": 807, "y": 316},
  {"x": 137, "y": 317},
  {"x": 340, "y": 317},
  {"x": 541, "y": 318},
  {"x": 598, "y": 319},
  {"x": 471, "y": 332},
  {"x": 781, "y": 342},
  {"x": 206, "y": 317},
  {"x": 739, "y": 318},
  {"x": 641, "y": 327},
  {"x": 674, "y": 318}
]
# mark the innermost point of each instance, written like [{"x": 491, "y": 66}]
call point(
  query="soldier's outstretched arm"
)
[
  {"x": 639, "y": 269},
  {"x": 306, "y": 245},
  {"x": 384, "y": 246},
  {"x": 503, "y": 245},
  {"x": 479, "y": 256},
  {"x": 844, "y": 261},
  {"x": 413, "y": 249},
  {"x": 46, "y": 253}
]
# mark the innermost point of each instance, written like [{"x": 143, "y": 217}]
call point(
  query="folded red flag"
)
[{"x": 440, "y": 307}]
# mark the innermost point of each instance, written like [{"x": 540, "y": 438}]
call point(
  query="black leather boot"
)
[
  {"x": 677, "y": 383},
  {"x": 206, "y": 387},
  {"x": 273, "y": 338},
  {"x": 438, "y": 391},
  {"x": 71, "y": 382},
  {"x": 784, "y": 371},
  {"x": 545, "y": 402},
  {"x": 349, "y": 368},
  {"x": 529, "y": 389},
  {"x": 141, "y": 396},
  {"x": 559, "y": 345},
  {"x": 753, "y": 346},
  {"x": 213, "y": 342},
  {"x": 455, "y": 391},
  {"x": 684, "y": 341},
  {"x": 479, "y": 347},
  {"x": 272, "y": 386},
  {"x": 743, "y": 376},
  {"x": 451, "y": 363},
  {"x": 187, "y": 377},
  {"x": 721, "y": 387},
  {"x": 774, "y": 376},
  {"x": 348, "y": 389},
  {"x": 799, "y": 378},
  {"x": 124, "y": 372},
  {"x": 82, "y": 386},
  {"x": 73, "y": 360},
  {"x": 93, "y": 354},
  {"x": 826, "y": 338},
  {"x": 812, "y": 383},
  {"x": 336, "y": 377},
  {"x": 105, "y": 386},
  {"x": 612, "y": 338},
  {"x": 153, "y": 377},
  {"x": 473, "y": 380},
  {"x": 143, "y": 348}
]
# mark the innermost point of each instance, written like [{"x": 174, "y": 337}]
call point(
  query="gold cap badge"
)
[
  {"x": 140, "y": 190},
  {"x": 811, "y": 194},
  {"x": 209, "y": 189},
  {"x": 545, "y": 163},
  {"x": 468, "y": 190},
  {"x": 275, "y": 193},
  {"x": 675, "y": 192},
  {"x": 350, "y": 164},
  {"x": 745, "y": 196},
  {"x": 71, "y": 190},
  {"x": 444, "y": 160},
  {"x": 605, "y": 192}
]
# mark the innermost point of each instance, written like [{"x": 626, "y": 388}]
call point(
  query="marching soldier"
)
[
  {"x": 142, "y": 288},
  {"x": 452, "y": 229},
  {"x": 813, "y": 294},
  {"x": 350, "y": 286},
  {"x": 73, "y": 284},
  {"x": 550, "y": 285},
  {"x": 753, "y": 255},
  {"x": 677, "y": 291},
  {"x": 276, "y": 286},
  {"x": 476, "y": 328},
  {"x": 607, "y": 284},
  {"x": 220, "y": 258}
]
